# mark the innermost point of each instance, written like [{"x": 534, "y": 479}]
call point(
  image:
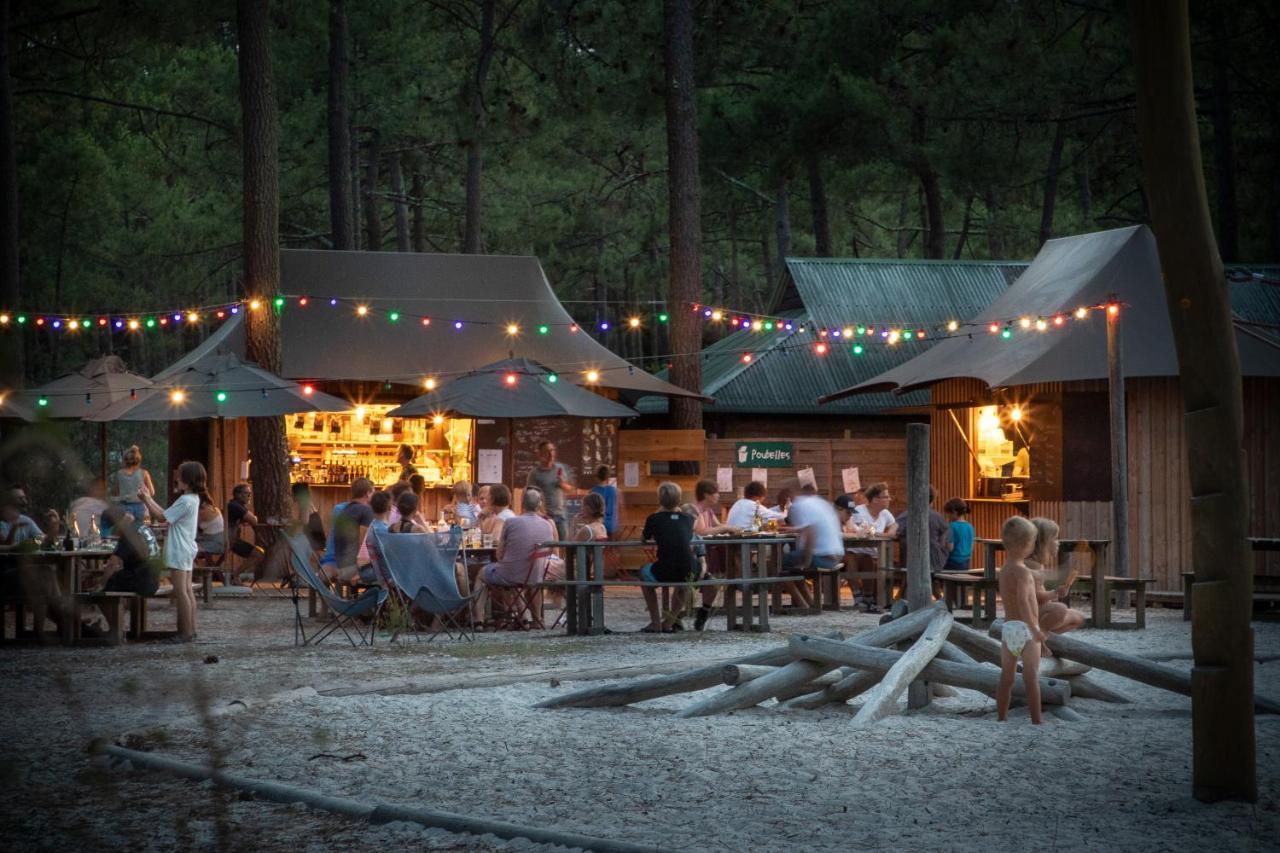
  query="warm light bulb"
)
[
  {"x": 429, "y": 384},
  {"x": 133, "y": 325},
  {"x": 848, "y": 332},
  {"x": 757, "y": 325},
  {"x": 634, "y": 322},
  {"x": 387, "y": 424},
  {"x": 1058, "y": 320},
  {"x": 4, "y": 319},
  {"x": 1113, "y": 309},
  {"x": 1041, "y": 325},
  {"x": 715, "y": 315},
  {"x": 255, "y": 304},
  {"x": 746, "y": 358},
  {"x": 952, "y": 326},
  {"x": 993, "y": 328},
  {"x": 820, "y": 348},
  {"x": 894, "y": 336},
  {"x": 1025, "y": 322},
  {"x": 362, "y": 310},
  {"x": 1081, "y": 313},
  {"x": 593, "y": 376},
  {"x": 307, "y": 390},
  {"x": 303, "y": 301},
  {"x": 426, "y": 321},
  {"x": 513, "y": 329},
  {"x": 1015, "y": 413},
  {"x": 437, "y": 420},
  {"x": 510, "y": 379},
  {"x": 360, "y": 411},
  {"x": 193, "y": 317},
  {"x": 177, "y": 396}
]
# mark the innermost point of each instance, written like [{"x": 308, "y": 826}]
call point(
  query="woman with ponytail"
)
[{"x": 180, "y": 548}]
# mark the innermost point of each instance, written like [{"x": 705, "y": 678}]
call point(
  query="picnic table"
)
[
  {"x": 1257, "y": 543},
  {"x": 1097, "y": 577},
  {"x": 585, "y": 581},
  {"x": 66, "y": 566},
  {"x": 883, "y": 572}
]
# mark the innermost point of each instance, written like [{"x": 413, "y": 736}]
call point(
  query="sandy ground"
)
[{"x": 451, "y": 726}]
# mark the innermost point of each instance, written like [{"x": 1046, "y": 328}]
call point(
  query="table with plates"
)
[{"x": 67, "y": 568}]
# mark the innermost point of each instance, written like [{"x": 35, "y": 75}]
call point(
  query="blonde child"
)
[
  {"x": 1022, "y": 633},
  {"x": 1055, "y": 616}
]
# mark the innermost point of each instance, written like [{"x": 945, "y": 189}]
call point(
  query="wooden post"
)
[
  {"x": 1119, "y": 451},
  {"x": 883, "y": 699},
  {"x": 919, "y": 578}
]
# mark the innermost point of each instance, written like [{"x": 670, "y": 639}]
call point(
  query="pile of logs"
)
[{"x": 811, "y": 672}]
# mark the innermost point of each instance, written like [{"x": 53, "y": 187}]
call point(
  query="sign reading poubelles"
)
[{"x": 764, "y": 454}]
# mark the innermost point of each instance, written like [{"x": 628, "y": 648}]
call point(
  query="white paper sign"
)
[
  {"x": 851, "y": 481},
  {"x": 488, "y": 466},
  {"x": 760, "y": 475},
  {"x": 806, "y": 477},
  {"x": 631, "y": 474},
  {"x": 724, "y": 479}
]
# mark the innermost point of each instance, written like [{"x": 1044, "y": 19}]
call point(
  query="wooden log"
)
[
  {"x": 1056, "y": 667},
  {"x": 820, "y": 683},
  {"x": 1139, "y": 669},
  {"x": 1086, "y": 688},
  {"x": 1066, "y": 714},
  {"x": 943, "y": 691},
  {"x": 741, "y": 673},
  {"x": 883, "y": 699},
  {"x": 918, "y": 579},
  {"x": 950, "y": 651},
  {"x": 857, "y": 682},
  {"x": 978, "y": 677},
  {"x": 981, "y": 647},
  {"x": 800, "y": 672},
  {"x": 612, "y": 695}
]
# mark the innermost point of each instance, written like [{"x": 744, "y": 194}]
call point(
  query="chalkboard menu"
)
[
  {"x": 581, "y": 444},
  {"x": 1086, "y": 446},
  {"x": 1042, "y": 427}
]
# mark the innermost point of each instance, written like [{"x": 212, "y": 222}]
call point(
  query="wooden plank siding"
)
[{"x": 1159, "y": 487}]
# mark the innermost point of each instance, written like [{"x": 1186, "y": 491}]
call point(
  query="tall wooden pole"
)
[
  {"x": 1119, "y": 449},
  {"x": 1223, "y": 756},
  {"x": 919, "y": 579}
]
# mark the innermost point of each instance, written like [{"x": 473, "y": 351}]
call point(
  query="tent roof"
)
[
  {"x": 487, "y": 394},
  {"x": 782, "y": 379},
  {"x": 99, "y": 383},
  {"x": 1067, "y": 273},
  {"x": 487, "y": 291}
]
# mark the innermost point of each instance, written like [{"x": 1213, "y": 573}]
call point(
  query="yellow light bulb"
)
[
  {"x": 1081, "y": 313},
  {"x": 952, "y": 326},
  {"x": 634, "y": 322},
  {"x": 715, "y": 315},
  {"x": 360, "y": 412},
  {"x": 847, "y": 332},
  {"x": 178, "y": 396},
  {"x": 438, "y": 420},
  {"x": 255, "y": 304},
  {"x": 593, "y": 376},
  {"x": 756, "y": 325},
  {"x": 362, "y": 310},
  {"x": 193, "y": 317},
  {"x": 1041, "y": 325},
  {"x": 133, "y": 325},
  {"x": 429, "y": 384},
  {"x": 1025, "y": 322},
  {"x": 1016, "y": 413},
  {"x": 513, "y": 329}
]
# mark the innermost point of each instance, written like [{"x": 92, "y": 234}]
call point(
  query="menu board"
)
[
  {"x": 582, "y": 444},
  {"x": 1042, "y": 425},
  {"x": 1086, "y": 446}
]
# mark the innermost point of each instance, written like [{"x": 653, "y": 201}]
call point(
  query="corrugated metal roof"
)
[
  {"x": 784, "y": 379},
  {"x": 1256, "y": 300}
]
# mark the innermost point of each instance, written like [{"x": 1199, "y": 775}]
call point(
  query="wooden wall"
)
[{"x": 1159, "y": 489}]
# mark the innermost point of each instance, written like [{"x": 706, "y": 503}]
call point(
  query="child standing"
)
[
  {"x": 180, "y": 542},
  {"x": 609, "y": 493},
  {"x": 1022, "y": 635},
  {"x": 960, "y": 548}
]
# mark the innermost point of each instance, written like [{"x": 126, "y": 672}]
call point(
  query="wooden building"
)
[{"x": 1020, "y": 417}]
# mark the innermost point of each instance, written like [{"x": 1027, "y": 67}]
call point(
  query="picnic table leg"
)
[
  {"x": 597, "y": 592},
  {"x": 989, "y": 573},
  {"x": 1186, "y": 597},
  {"x": 1101, "y": 595},
  {"x": 762, "y": 571},
  {"x": 570, "y": 592},
  {"x": 748, "y": 571},
  {"x": 730, "y": 594}
]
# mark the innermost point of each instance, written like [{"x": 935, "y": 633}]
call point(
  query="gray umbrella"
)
[
  {"x": 221, "y": 386},
  {"x": 85, "y": 392},
  {"x": 12, "y": 407},
  {"x": 512, "y": 388}
]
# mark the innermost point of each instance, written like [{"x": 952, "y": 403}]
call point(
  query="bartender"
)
[{"x": 405, "y": 459}]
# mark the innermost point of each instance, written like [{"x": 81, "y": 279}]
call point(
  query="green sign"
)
[{"x": 764, "y": 454}]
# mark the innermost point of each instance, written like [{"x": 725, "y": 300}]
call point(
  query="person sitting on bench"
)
[
  {"x": 819, "y": 541},
  {"x": 138, "y": 552},
  {"x": 1055, "y": 616},
  {"x": 672, "y": 531}
]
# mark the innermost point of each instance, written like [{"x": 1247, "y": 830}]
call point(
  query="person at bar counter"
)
[
  {"x": 552, "y": 479},
  {"x": 748, "y": 508},
  {"x": 349, "y": 529},
  {"x": 405, "y": 460},
  {"x": 180, "y": 540},
  {"x": 125, "y": 484}
]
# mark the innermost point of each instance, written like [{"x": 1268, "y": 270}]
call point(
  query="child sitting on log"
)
[
  {"x": 1055, "y": 616},
  {"x": 1022, "y": 635}
]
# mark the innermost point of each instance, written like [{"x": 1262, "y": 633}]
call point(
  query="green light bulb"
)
[
  {"x": 221, "y": 396},
  {"x": 43, "y": 401},
  {"x": 84, "y": 324},
  {"x": 768, "y": 326},
  {"x": 1006, "y": 334},
  {"x": 22, "y": 318},
  {"x": 857, "y": 349},
  {"x": 393, "y": 316},
  {"x": 552, "y": 378},
  {"x": 662, "y": 318},
  {"x": 151, "y": 322},
  {"x": 279, "y": 301},
  {"x": 542, "y": 330}
]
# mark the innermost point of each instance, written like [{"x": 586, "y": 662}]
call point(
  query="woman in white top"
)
[
  {"x": 183, "y": 516},
  {"x": 748, "y": 507},
  {"x": 875, "y": 515}
]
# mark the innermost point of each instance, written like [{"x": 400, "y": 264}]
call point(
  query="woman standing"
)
[
  {"x": 127, "y": 484},
  {"x": 180, "y": 542}
]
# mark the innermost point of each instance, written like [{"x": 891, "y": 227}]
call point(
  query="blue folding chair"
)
[
  {"x": 423, "y": 573},
  {"x": 344, "y": 612}
]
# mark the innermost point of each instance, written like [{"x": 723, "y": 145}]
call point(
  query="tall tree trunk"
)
[
  {"x": 766, "y": 261},
  {"x": 935, "y": 244},
  {"x": 401, "y": 205},
  {"x": 419, "y": 220},
  {"x": 1083, "y": 188},
  {"x": 818, "y": 206},
  {"x": 735, "y": 273},
  {"x": 964, "y": 227},
  {"x": 684, "y": 208},
  {"x": 904, "y": 209},
  {"x": 372, "y": 207},
  {"x": 340, "y": 204},
  {"x": 261, "y": 190},
  {"x": 1223, "y": 155},
  {"x": 995, "y": 225},
  {"x": 1222, "y": 725},
  {"x": 357, "y": 197},
  {"x": 1051, "y": 181},
  {"x": 11, "y": 369},
  {"x": 472, "y": 239},
  {"x": 781, "y": 229}
]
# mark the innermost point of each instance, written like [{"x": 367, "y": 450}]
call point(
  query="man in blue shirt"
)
[{"x": 16, "y": 528}]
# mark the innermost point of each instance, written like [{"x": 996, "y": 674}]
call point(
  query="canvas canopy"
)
[
  {"x": 486, "y": 292},
  {"x": 248, "y": 392},
  {"x": 1067, "y": 273},
  {"x": 512, "y": 388},
  {"x": 84, "y": 392}
]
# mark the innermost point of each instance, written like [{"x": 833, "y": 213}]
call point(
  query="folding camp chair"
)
[
  {"x": 344, "y": 612},
  {"x": 518, "y": 607},
  {"x": 422, "y": 573}
]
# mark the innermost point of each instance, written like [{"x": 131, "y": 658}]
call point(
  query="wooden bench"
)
[
  {"x": 820, "y": 578},
  {"x": 1112, "y": 583},
  {"x": 22, "y": 605},
  {"x": 205, "y": 574},
  {"x": 956, "y": 584},
  {"x": 112, "y": 605},
  {"x": 731, "y": 585},
  {"x": 1266, "y": 590}
]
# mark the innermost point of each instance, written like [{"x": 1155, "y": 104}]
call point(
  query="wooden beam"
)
[
  {"x": 919, "y": 578},
  {"x": 883, "y": 699}
]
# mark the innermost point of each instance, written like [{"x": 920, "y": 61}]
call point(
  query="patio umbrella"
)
[
  {"x": 512, "y": 388},
  {"x": 220, "y": 386},
  {"x": 100, "y": 383}
]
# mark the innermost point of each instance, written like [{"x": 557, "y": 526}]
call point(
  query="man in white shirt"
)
[
  {"x": 748, "y": 507},
  {"x": 819, "y": 543}
]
